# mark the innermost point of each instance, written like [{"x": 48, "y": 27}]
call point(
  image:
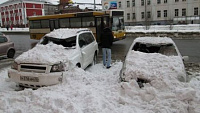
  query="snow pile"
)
[
  {"x": 148, "y": 66},
  {"x": 164, "y": 28},
  {"x": 46, "y": 54},
  {"x": 98, "y": 90}
]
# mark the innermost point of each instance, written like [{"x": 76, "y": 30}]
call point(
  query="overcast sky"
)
[{"x": 78, "y": 1}]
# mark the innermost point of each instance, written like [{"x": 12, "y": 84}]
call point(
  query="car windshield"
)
[
  {"x": 118, "y": 23},
  {"x": 165, "y": 49},
  {"x": 67, "y": 42}
]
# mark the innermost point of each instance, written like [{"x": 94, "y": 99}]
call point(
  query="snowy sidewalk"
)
[{"x": 14, "y": 30}]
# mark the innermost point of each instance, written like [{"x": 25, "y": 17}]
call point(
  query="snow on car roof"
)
[
  {"x": 154, "y": 40},
  {"x": 64, "y": 32}
]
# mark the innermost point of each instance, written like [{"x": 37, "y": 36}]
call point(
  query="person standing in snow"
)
[{"x": 106, "y": 43}]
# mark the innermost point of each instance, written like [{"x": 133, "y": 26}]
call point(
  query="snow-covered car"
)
[
  {"x": 57, "y": 52},
  {"x": 6, "y": 47},
  {"x": 151, "y": 58}
]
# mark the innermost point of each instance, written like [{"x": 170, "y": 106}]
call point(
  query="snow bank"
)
[
  {"x": 98, "y": 90},
  {"x": 164, "y": 28}
]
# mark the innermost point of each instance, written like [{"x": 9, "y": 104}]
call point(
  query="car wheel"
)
[
  {"x": 11, "y": 53},
  {"x": 94, "y": 59}
]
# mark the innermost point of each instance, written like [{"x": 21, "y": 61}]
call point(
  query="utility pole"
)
[
  {"x": 145, "y": 14},
  {"x": 24, "y": 16},
  {"x": 94, "y": 5},
  {"x": 199, "y": 14}
]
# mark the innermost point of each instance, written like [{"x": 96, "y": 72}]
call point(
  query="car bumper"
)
[{"x": 29, "y": 79}]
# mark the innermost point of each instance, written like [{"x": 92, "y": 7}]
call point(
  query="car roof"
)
[
  {"x": 154, "y": 40},
  {"x": 64, "y": 33}
]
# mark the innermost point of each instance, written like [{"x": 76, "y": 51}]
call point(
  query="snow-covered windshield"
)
[
  {"x": 165, "y": 49},
  {"x": 67, "y": 42}
]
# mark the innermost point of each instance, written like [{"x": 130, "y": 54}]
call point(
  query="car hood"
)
[
  {"x": 46, "y": 54},
  {"x": 151, "y": 66}
]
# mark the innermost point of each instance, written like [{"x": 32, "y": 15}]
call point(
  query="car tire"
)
[
  {"x": 94, "y": 59},
  {"x": 11, "y": 53}
]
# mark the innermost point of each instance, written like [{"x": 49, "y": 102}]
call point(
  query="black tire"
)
[
  {"x": 94, "y": 59},
  {"x": 11, "y": 53}
]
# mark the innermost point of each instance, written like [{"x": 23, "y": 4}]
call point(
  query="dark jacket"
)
[{"x": 107, "y": 38}]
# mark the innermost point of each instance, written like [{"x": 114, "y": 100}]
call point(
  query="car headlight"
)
[
  {"x": 14, "y": 66},
  {"x": 57, "y": 67}
]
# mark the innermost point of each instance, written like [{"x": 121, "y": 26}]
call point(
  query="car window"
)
[
  {"x": 168, "y": 50},
  {"x": 87, "y": 37},
  {"x": 82, "y": 42},
  {"x": 67, "y": 42},
  {"x": 165, "y": 49},
  {"x": 3, "y": 39}
]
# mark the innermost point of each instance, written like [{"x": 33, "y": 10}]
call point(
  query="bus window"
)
[
  {"x": 64, "y": 22},
  {"x": 106, "y": 22},
  {"x": 56, "y": 24},
  {"x": 35, "y": 24},
  {"x": 75, "y": 22},
  {"x": 121, "y": 23},
  {"x": 88, "y": 22},
  {"x": 115, "y": 23},
  {"x": 45, "y": 23}
]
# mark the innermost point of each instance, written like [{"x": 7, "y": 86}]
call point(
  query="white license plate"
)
[{"x": 30, "y": 79}]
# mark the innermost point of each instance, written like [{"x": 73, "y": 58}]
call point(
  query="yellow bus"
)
[{"x": 94, "y": 20}]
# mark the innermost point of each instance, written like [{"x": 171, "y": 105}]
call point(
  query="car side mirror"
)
[{"x": 185, "y": 58}]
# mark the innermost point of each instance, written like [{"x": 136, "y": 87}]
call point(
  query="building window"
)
[
  {"x": 158, "y": 14},
  {"x": 196, "y": 11},
  {"x": 142, "y": 15},
  {"x": 158, "y": 1},
  {"x": 176, "y": 12},
  {"x": 133, "y": 3},
  {"x": 133, "y": 16},
  {"x": 148, "y": 14},
  {"x": 148, "y": 2},
  {"x": 183, "y": 12},
  {"x": 165, "y": 13},
  {"x": 128, "y": 16},
  {"x": 165, "y": 1},
  {"x": 128, "y": 3},
  {"x": 176, "y": 0},
  {"x": 120, "y": 4},
  {"x": 33, "y": 6},
  {"x": 142, "y": 2}
]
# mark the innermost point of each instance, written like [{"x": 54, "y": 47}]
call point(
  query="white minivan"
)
[{"x": 57, "y": 52}]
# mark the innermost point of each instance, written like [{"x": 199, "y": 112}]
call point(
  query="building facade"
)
[
  {"x": 157, "y": 12},
  {"x": 15, "y": 12}
]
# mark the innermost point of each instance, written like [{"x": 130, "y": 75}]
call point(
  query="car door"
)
[
  {"x": 84, "y": 50},
  {"x": 3, "y": 45},
  {"x": 92, "y": 46}
]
